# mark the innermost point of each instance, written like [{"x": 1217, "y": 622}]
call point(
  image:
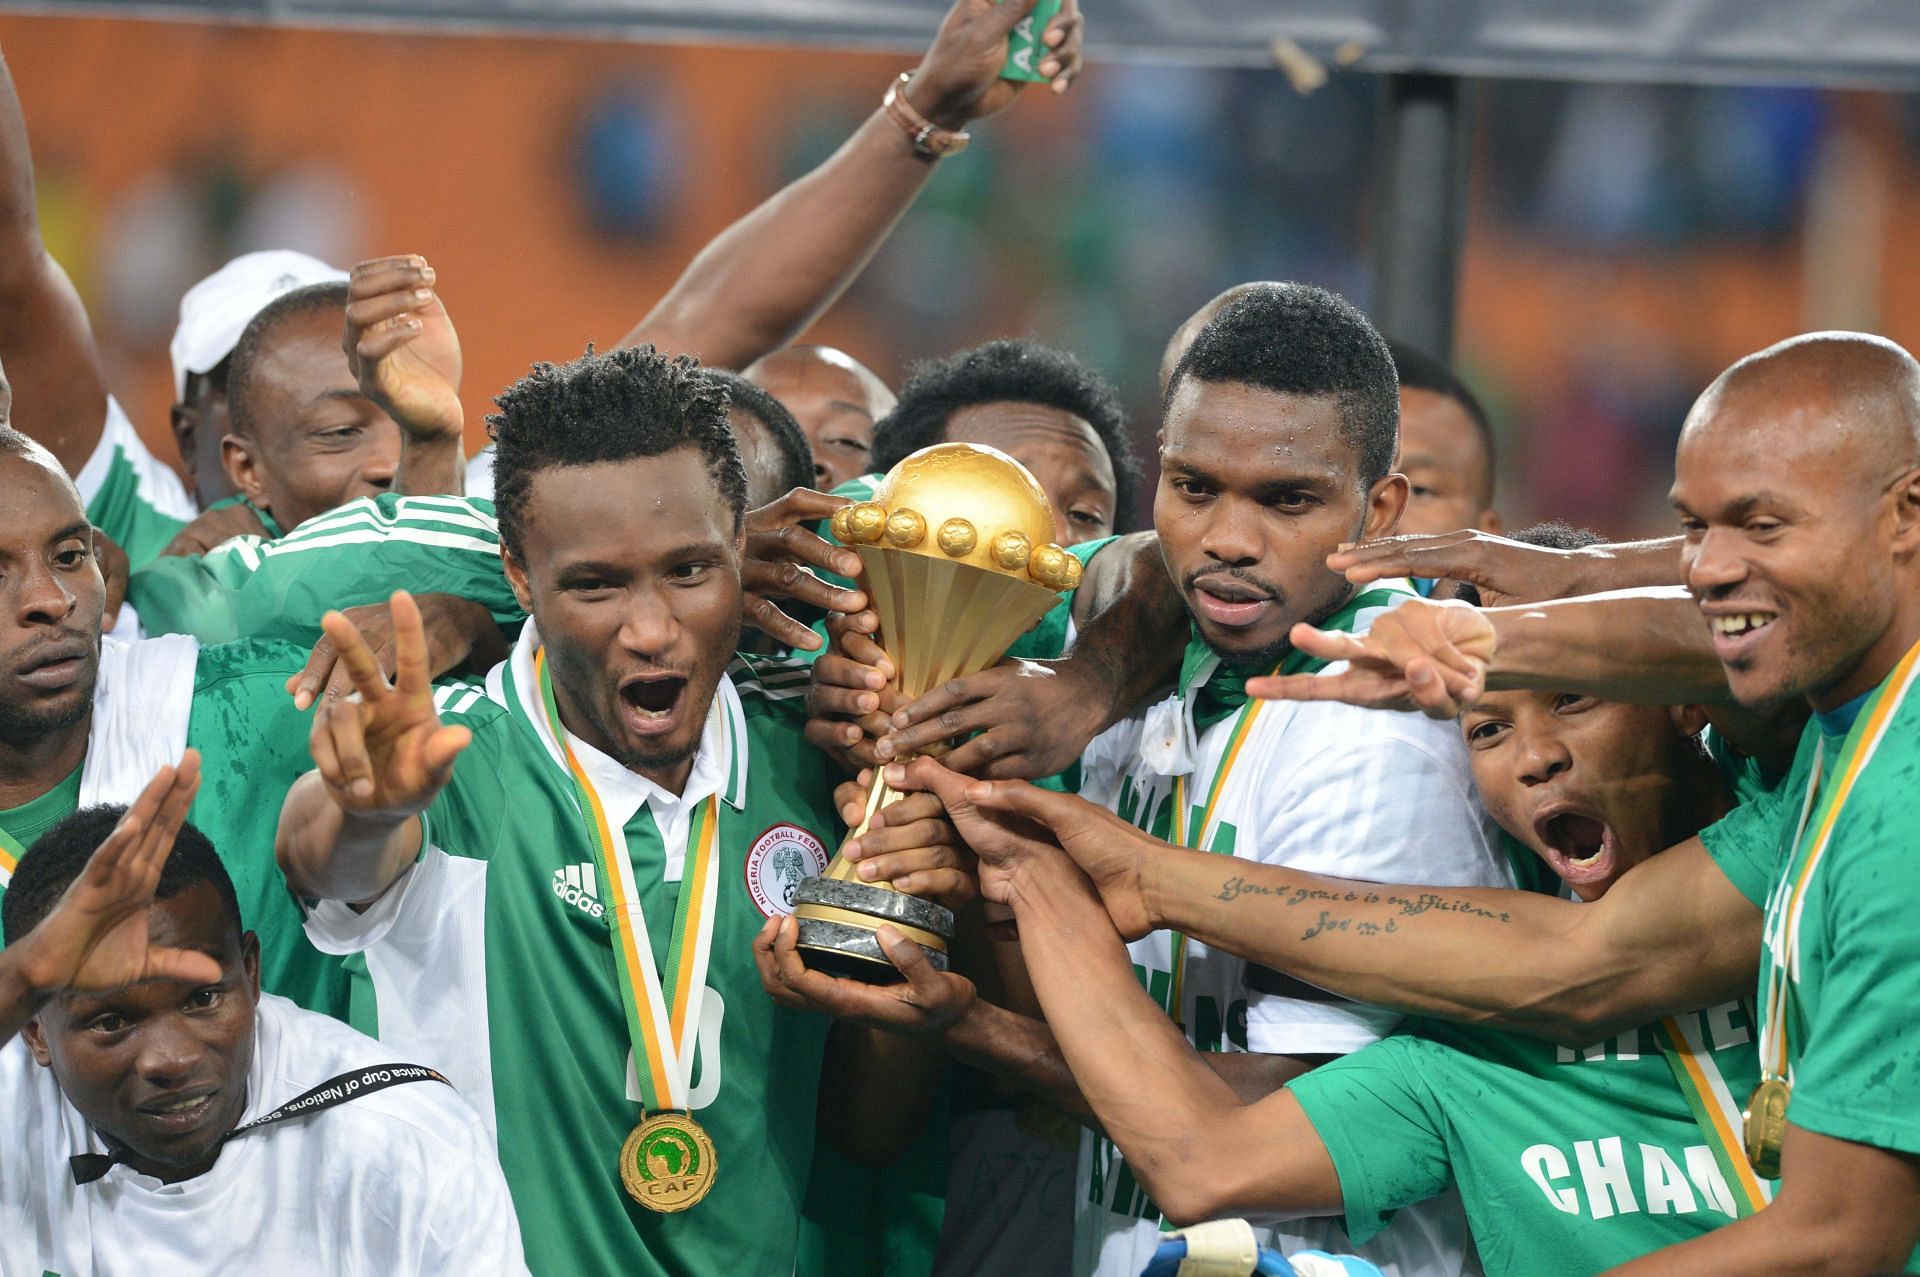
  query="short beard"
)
[
  {"x": 664, "y": 760},
  {"x": 1261, "y": 660},
  {"x": 646, "y": 761},
  {"x": 24, "y": 728}
]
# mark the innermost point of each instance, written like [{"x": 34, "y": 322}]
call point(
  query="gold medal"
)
[
  {"x": 1766, "y": 1122},
  {"x": 667, "y": 1163}
]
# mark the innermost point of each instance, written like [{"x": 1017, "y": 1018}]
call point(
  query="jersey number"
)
[{"x": 706, "y": 1056}]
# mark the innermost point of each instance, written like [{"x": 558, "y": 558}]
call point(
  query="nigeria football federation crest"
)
[{"x": 778, "y": 862}]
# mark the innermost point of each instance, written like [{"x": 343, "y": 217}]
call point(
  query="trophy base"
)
[{"x": 838, "y": 920}]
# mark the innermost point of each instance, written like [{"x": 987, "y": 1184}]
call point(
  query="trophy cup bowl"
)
[{"x": 958, "y": 559}]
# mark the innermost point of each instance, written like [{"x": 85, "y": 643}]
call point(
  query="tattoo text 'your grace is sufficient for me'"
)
[{"x": 1237, "y": 887}]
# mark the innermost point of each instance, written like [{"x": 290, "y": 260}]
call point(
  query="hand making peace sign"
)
[{"x": 383, "y": 751}]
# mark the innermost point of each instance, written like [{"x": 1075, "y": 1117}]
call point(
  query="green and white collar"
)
[
  {"x": 1209, "y": 690},
  {"x": 719, "y": 764}
]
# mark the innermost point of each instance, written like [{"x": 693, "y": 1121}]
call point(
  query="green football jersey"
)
[
  {"x": 1853, "y": 1050},
  {"x": 492, "y": 960},
  {"x": 253, "y": 746},
  {"x": 129, "y": 493},
  {"x": 280, "y": 587},
  {"x": 21, "y": 826},
  {"x": 1568, "y": 1161},
  {"x": 267, "y": 521}
]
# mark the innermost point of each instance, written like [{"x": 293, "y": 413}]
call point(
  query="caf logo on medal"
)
[{"x": 667, "y": 1163}]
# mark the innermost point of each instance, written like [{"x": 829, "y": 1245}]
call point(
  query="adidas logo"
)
[{"x": 579, "y": 886}]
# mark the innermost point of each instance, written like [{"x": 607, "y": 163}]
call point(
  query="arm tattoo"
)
[{"x": 1408, "y": 906}]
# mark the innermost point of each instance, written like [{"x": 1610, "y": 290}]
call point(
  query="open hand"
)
[
  {"x": 384, "y": 752},
  {"x": 402, "y": 348},
  {"x": 1422, "y": 655},
  {"x": 910, "y": 845},
  {"x": 1011, "y": 824},
  {"x": 95, "y": 938},
  {"x": 782, "y": 551}
]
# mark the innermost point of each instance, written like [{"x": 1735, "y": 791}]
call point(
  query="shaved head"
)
[
  {"x": 1797, "y": 483},
  {"x": 1852, "y": 394},
  {"x": 835, "y": 398},
  {"x": 799, "y": 361},
  {"x": 15, "y": 444}
]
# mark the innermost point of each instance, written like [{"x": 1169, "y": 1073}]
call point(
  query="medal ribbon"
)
[
  {"x": 1714, "y": 1108},
  {"x": 662, "y": 1031},
  {"x": 1199, "y": 835},
  {"x": 10, "y": 853},
  {"x": 1789, "y": 896}
]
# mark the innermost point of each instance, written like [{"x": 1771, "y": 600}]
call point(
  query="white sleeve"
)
[
  {"x": 155, "y": 483},
  {"x": 480, "y": 474},
  {"x": 19, "y": 1177},
  {"x": 1282, "y": 1025},
  {"x": 1100, "y": 768},
  {"x": 1394, "y": 806},
  {"x": 335, "y": 927}
]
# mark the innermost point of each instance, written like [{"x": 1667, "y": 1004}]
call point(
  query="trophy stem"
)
[
  {"x": 839, "y": 914},
  {"x": 879, "y": 794}
]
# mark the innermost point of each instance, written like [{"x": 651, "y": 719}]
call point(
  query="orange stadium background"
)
[{"x": 1626, "y": 241}]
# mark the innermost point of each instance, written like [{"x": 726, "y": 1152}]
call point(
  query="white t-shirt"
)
[
  {"x": 480, "y": 474},
  {"x": 1321, "y": 787},
  {"x": 400, "y": 1181}
]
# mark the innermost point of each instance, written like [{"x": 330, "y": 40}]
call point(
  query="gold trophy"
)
[{"x": 957, "y": 556}]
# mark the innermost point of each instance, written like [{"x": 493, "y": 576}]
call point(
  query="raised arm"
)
[
  {"x": 95, "y": 938},
  {"x": 350, "y": 828},
  {"x": 1647, "y": 646},
  {"x": 945, "y": 1007},
  {"x": 772, "y": 273},
  {"x": 46, "y": 343},
  {"x": 1673, "y": 934},
  {"x": 402, "y": 347}
]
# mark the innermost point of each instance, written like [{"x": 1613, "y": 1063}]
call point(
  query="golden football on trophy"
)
[{"x": 957, "y": 557}]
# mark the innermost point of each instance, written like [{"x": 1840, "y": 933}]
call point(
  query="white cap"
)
[{"x": 218, "y": 309}]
